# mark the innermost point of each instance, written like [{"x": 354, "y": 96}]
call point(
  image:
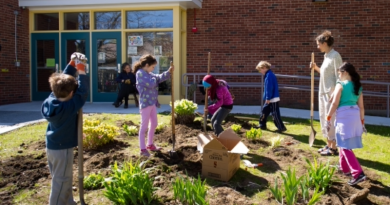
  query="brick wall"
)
[
  {"x": 15, "y": 84},
  {"x": 240, "y": 33}
]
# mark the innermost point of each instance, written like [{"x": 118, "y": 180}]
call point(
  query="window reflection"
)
[
  {"x": 47, "y": 21},
  {"x": 76, "y": 21},
  {"x": 108, "y": 20},
  {"x": 158, "y": 44},
  {"x": 150, "y": 19},
  {"x": 74, "y": 46},
  {"x": 45, "y": 59},
  {"x": 107, "y": 65}
]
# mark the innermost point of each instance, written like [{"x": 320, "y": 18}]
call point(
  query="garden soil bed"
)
[{"x": 23, "y": 172}]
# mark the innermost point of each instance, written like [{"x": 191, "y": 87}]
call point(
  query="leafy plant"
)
[
  {"x": 184, "y": 107},
  {"x": 319, "y": 175},
  {"x": 291, "y": 186},
  {"x": 316, "y": 197},
  {"x": 129, "y": 185},
  {"x": 253, "y": 134},
  {"x": 130, "y": 130},
  {"x": 278, "y": 194},
  {"x": 276, "y": 141},
  {"x": 160, "y": 127},
  {"x": 236, "y": 128},
  {"x": 93, "y": 181},
  {"x": 190, "y": 191},
  {"x": 97, "y": 134}
]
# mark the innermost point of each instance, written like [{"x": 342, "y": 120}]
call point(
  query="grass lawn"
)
[{"x": 374, "y": 155}]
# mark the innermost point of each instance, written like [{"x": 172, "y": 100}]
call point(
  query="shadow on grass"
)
[
  {"x": 318, "y": 143},
  {"x": 379, "y": 166},
  {"x": 243, "y": 181},
  {"x": 378, "y": 130}
]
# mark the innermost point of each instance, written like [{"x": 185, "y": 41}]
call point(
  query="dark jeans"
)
[
  {"x": 274, "y": 109},
  {"x": 217, "y": 118},
  {"x": 124, "y": 92}
]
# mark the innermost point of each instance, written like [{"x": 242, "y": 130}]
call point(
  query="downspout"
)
[{"x": 17, "y": 64}]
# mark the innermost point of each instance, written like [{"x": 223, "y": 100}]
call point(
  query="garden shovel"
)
[
  {"x": 313, "y": 132},
  {"x": 80, "y": 155},
  {"x": 206, "y": 98},
  {"x": 173, "y": 152}
]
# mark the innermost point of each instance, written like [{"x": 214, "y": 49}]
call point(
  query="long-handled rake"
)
[{"x": 206, "y": 98}]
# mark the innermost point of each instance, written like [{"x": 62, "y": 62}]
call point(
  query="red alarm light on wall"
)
[{"x": 194, "y": 29}]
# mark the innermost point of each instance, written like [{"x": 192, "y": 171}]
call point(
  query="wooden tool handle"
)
[
  {"x": 208, "y": 65},
  {"x": 173, "y": 103},
  {"x": 312, "y": 86}
]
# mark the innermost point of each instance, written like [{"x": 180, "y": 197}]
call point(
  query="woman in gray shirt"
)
[{"x": 328, "y": 79}]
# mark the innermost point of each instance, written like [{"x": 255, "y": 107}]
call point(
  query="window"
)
[
  {"x": 76, "y": 21},
  {"x": 46, "y": 21},
  {"x": 108, "y": 20},
  {"x": 158, "y": 44},
  {"x": 149, "y": 19}
]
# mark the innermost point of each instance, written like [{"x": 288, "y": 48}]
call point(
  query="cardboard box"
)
[{"x": 221, "y": 155}]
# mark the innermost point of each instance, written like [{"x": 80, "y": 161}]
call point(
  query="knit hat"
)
[{"x": 214, "y": 84}]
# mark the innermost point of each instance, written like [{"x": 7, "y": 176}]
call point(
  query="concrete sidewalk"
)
[{"x": 18, "y": 115}]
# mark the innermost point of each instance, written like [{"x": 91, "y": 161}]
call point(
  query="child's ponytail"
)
[{"x": 145, "y": 59}]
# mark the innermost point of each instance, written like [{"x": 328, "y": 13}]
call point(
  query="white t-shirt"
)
[{"x": 328, "y": 72}]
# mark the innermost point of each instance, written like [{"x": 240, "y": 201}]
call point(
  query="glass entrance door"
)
[
  {"x": 44, "y": 62},
  {"x": 106, "y": 61},
  {"x": 74, "y": 42}
]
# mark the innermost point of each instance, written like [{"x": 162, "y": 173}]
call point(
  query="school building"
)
[{"x": 38, "y": 37}]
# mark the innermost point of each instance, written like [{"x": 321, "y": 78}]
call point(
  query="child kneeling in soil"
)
[
  {"x": 271, "y": 97},
  {"x": 217, "y": 90},
  {"x": 61, "y": 109},
  {"x": 147, "y": 86}
]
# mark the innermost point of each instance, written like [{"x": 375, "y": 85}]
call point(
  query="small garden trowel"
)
[{"x": 250, "y": 165}]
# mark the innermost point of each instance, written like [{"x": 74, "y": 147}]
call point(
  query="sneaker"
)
[
  {"x": 282, "y": 130},
  {"x": 323, "y": 149},
  {"x": 329, "y": 152},
  {"x": 261, "y": 127},
  {"x": 153, "y": 148},
  {"x": 144, "y": 153},
  {"x": 360, "y": 178},
  {"x": 117, "y": 104}
]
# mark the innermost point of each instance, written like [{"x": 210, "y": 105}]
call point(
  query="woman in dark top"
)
[{"x": 127, "y": 86}]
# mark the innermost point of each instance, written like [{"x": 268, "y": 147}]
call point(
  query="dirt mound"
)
[{"x": 21, "y": 172}]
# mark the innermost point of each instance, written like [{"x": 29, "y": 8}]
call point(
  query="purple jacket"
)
[
  {"x": 147, "y": 86},
  {"x": 223, "y": 98}
]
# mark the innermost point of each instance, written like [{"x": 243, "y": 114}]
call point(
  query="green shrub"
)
[
  {"x": 97, "y": 134},
  {"x": 129, "y": 185},
  {"x": 319, "y": 175},
  {"x": 276, "y": 141},
  {"x": 184, "y": 107},
  {"x": 236, "y": 128},
  {"x": 253, "y": 134},
  {"x": 130, "y": 130},
  {"x": 93, "y": 181},
  {"x": 191, "y": 192},
  {"x": 160, "y": 127}
]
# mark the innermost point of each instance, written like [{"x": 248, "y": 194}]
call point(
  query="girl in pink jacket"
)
[{"x": 217, "y": 90}]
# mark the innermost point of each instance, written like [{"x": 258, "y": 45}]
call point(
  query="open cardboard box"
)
[{"x": 221, "y": 155}]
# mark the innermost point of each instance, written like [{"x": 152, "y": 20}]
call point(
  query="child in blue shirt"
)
[
  {"x": 271, "y": 97},
  {"x": 60, "y": 109}
]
